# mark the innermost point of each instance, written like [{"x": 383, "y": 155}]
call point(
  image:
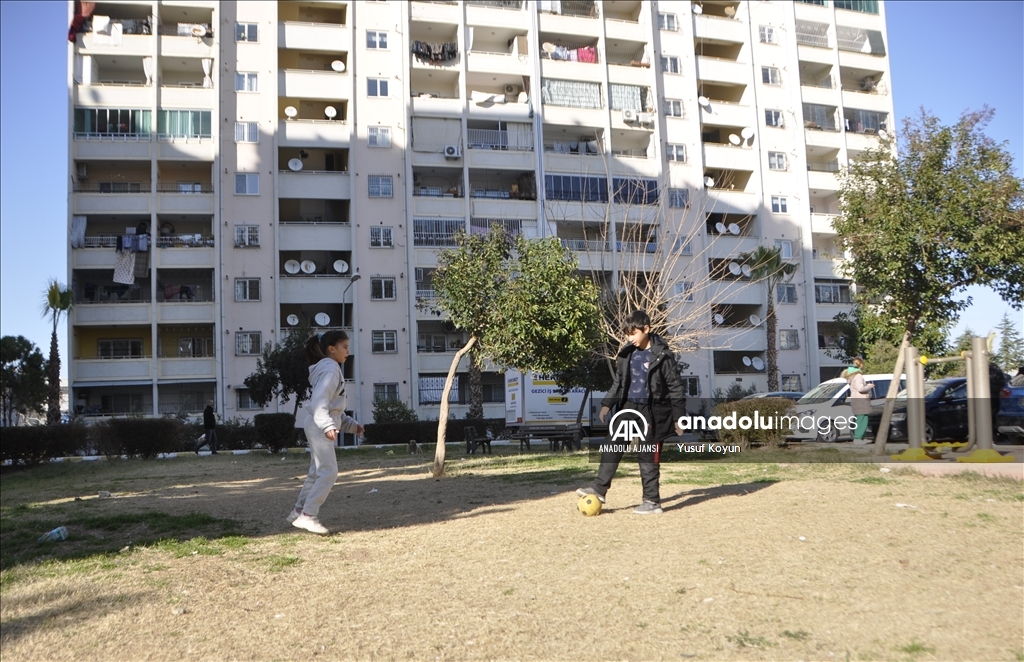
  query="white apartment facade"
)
[{"x": 307, "y": 160}]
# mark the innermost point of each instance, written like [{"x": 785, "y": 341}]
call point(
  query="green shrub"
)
[
  {"x": 147, "y": 437},
  {"x": 274, "y": 431},
  {"x": 392, "y": 411},
  {"x": 30, "y": 445},
  {"x": 234, "y": 434},
  {"x": 767, "y": 408},
  {"x": 425, "y": 432}
]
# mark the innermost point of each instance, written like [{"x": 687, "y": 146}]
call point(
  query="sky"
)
[{"x": 945, "y": 56}]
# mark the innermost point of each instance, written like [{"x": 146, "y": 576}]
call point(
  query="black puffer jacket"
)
[{"x": 665, "y": 394}]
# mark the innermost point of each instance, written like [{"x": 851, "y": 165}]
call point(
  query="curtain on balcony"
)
[
  {"x": 571, "y": 93},
  {"x": 520, "y": 136},
  {"x": 431, "y": 134},
  {"x": 78, "y": 231},
  {"x": 628, "y": 96},
  {"x": 207, "y": 68}
]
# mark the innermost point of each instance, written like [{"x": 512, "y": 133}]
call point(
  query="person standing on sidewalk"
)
[
  {"x": 860, "y": 398},
  {"x": 647, "y": 382},
  {"x": 209, "y": 437}
]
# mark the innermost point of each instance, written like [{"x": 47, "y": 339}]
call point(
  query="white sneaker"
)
[
  {"x": 310, "y": 524},
  {"x": 292, "y": 516}
]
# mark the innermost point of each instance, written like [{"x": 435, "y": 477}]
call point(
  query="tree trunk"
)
[
  {"x": 771, "y": 354},
  {"x": 442, "y": 417},
  {"x": 476, "y": 387},
  {"x": 53, "y": 376},
  {"x": 882, "y": 435}
]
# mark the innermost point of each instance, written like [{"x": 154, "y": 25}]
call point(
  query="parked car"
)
[
  {"x": 821, "y": 408},
  {"x": 945, "y": 411},
  {"x": 1010, "y": 420},
  {"x": 789, "y": 395}
]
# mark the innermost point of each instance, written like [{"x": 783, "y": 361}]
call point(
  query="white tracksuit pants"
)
[{"x": 323, "y": 471}]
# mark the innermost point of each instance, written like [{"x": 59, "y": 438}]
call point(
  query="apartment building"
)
[{"x": 239, "y": 169}]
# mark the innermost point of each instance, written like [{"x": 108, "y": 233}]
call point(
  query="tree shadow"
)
[
  {"x": 702, "y": 494},
  {"x": 49, "y": 611}
]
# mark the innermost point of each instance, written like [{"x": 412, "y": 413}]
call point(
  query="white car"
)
[{"x": 824, "y": 413}]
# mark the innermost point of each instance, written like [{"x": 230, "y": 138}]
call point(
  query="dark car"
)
[
  {"x": 789, "y": 395},
  {"x": 1010, "y": 420},
  {"x": 945, "y": 411}
]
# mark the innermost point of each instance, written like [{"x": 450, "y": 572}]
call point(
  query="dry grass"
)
[{"x": 749, "y": 561}]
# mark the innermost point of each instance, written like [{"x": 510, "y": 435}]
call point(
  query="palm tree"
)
[
  {"x": 766, "y": 266},
  {"x": 57, "y": 301}
]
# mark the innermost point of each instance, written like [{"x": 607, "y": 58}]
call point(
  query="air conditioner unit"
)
[
  {"x": 511, "y": 89},
  {"x": 83, "y": 171},
  {"x": 645, "y": 118},
  {"x": 452, "y": 151},
  {"x": 628, "y": 115}
]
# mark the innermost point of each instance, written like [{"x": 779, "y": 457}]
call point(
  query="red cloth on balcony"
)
[{"x": 83, "y": 10}]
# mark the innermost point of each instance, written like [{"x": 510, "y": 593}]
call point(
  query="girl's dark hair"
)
[
  {"x": 316, "y": 346},
  {"x": 638, "y": 319}
]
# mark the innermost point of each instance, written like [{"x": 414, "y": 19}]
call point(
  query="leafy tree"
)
[
  {"x": 282, "y": 371},
  {"x": 944, "y": 213},
  {"x": 595, "y": 372},
  {"x": 392, "y": 411},
  {"x": 22, "y": 378},
  {"x": 521, "y": 301},
  {"x": 58, "y": 301},
  {"x": 768, "y": 267},
  {"x": 1011, "y": 347},
  {"x": 864, "y": 333}
]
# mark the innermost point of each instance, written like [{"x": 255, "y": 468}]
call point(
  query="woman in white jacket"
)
[
  {"x": 860, "y": 398},
  {"x": 325, "y": 421}
]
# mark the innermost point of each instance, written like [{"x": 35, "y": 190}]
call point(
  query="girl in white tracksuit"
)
[{"x": 325, "y": 422}]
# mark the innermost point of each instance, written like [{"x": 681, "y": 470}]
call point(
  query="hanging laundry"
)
[{"x": 124, "y": 268}]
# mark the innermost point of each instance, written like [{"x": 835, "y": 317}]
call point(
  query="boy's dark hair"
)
[
  {"x": 316, "y": 346},
  {"x": 637, "y": 319}
]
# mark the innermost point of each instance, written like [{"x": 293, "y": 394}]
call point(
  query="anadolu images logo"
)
[{"x": 628, "y": 430}]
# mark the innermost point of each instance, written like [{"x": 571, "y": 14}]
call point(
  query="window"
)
[
  {"x": 184, "y": 123},
  {"x": 379, "y": 136},
  {"x": 244, "y": 401},
  {"x": 107, "y": 121},
  {"x": 195, "y": 347},
  {"x": 247, "y": 132},
  {"x": 387, "y": 391},
  {"x": 673, "y": 108},
  {"x": 679, "y": 198},
  {"x": 376, "y": 39},
  {"x": 789, "y": 339},
  {"x": 776, "y": 161},
  {"x": 773, "y": 118},
  {"x": 247, "y": 183},
  {"x": 575, "y": 187},
  {"x": 382, "y": 288},
  {"x": 864, "y": 6},
  {"x": 684, "y": 290},
  {"x": 771, "y": 76},
  {"x": 247, "y": 235},
  {"x": 819, "y": 3},
  {"x": 384, "y": 342},
  {"x": 120, "y": 187},
  {"x": 676, "y": 153},
  {"x": 247, "y": 32},
  {"x": 691, "y": 386},
  {"x": 246, "y": 82},
  {"x": 832, "y": 292},
  {"x": 381, "y": 237},
  {"x": 767, "y": 33},
  {"x": 247, "y": 289},
  {"x": 120, "y": 348},
  {"x": 786, "y": 294},
  {"x": 779, "y": 204},
  {"x": 682, "y": 246},
  {"x": 667, "y": 22},
  {"x": 379, "y": 186},
  {"x": 791, "y": 383},
  {"x": 248, "y": 343},
  {"x": 670, "y": 64},
  {"x": 431, "y": 387},
  {"x": 785, "y": 247},
  {"x": 376, "y": 87},
  {"x": 635, "y": 191}
]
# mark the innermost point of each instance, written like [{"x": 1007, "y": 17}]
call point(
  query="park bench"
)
[
  {"x": 474, "y": 441},
  {"x": 565, "y": 436}
]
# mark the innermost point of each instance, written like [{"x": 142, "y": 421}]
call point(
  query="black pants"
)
[
  {"x": 650, "y": 470},
  {"x": 210, "y": 440}
]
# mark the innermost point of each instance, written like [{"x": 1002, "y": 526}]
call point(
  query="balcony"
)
[
  {"x": 179, "y": 148},
  {"x": 314, "y": 36},
  {"x": 722, "y": 70},
  {"x": 736, "y": 292},
  {"x": 575, "y": 17},
  {"x": 820, "y": 179},
  {"x": 740, "y": 339},
  {"x": 307, "y": 133},
  {"x": 507, "y": 64},
  {"x": 172, "y": 200},
  {"x": 727, "y": 246},
  {"x": 307, "y": 235},
  {"x": 112, "y": 146},
  {"x": 314, "y": 184},
  {"x": 184, "y": 252},
  {"x": 437, "y": 11},
  {"x": 311, "y": 289},
  {"x": 328, "y": 85},
  {"x": 105, "y": 370},
  {"x": 178, "y": 311},
  {"x": 174, "y": 44},
  {"x": 829, "y": 268},
  {"x": 822, "y": 223},
  {"x": 822, "y": 138},
  {"x": 113, "y": 94},
  {"x": 113, "y": 309},
  {"x": 725, "y": 113},
  {"x": 719, "y": 28},
  {"x": 726, "y": 156},
  {"x": 187, "y": 96},
  {"x": 187, "y": 368},
  {"x": 92, "y": 201}
]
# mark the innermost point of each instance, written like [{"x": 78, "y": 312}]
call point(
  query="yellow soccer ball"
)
[{"x": 589, "y": 505}]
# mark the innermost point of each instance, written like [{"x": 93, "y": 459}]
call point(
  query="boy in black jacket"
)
[{"x": 646, "y": 382}]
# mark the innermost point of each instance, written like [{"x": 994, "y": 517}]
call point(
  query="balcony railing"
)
[
  {"x": 809, "y": 124},
  {"x": 426, "y": 294},
  {"x": 596, "y": 246},
  {"x": 583, "y": 8},
  {"x": 101, "y": 241},
  {"x": 202, "y": 189},
  {"x": 499, "y": 139},
  {"x": 105, "y": 188},
  {"x": 114, "y": 137},
  {"x": 497, "y": 4},
  {"x": 823, "y": 166},
  {"x": 825, "y": 83},
  {"x": 816, "y": 40},
  {"x": 184, "y": 241},
  {"x": 570, "y": 52}
]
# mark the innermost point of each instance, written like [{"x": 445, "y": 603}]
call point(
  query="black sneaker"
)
[
  {"x": 648, "y": 508},
  {"x": 589, "y": 491}
]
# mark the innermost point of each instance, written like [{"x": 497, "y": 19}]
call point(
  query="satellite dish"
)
[
  {"x": 331, "y": 112},
  {"x": 719, "y": 319},
  {"x": 293, "y": 320},
  {"x": 295, "y": 165},
  {"x": 322, "y": 319},
  {"x": 755, "y": 320},
  {"x": 720, "y": 227},
  {"x": 709, "y": 182},
  {"x": 338, "y": 66},
  {"x": 734, "y": 229},
  {"x": 199, "y": 31},
  {"x": 746, "y": 361},
  {"x": 758, "y": 363},
  {"x": 697, "y": 9},
  {"x": 730, "y": 11},
  {"x": 292, "y": 266},
  {"x": 747, "y": 133},
  {"x": 341, "y": 266},
  {"x": 734, "y": 139},
  {"x": 745, "y": 269},
  {"x": 734, "y": 269},
  {"x": 704, "y": 101},
  {"x": 547, "y": 47},
  {"x": 883, "y": 134},
  {"x": 291, "y": 112},
  {"x": 308, "y": 266}
]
